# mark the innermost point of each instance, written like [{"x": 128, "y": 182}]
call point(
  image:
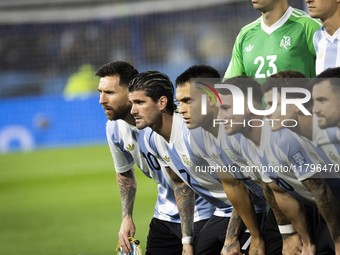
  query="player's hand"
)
[
  {"x": 127, "y": 229},
  {"x": 257, "y": 246},
  {"x": 188, "y": 249},
  {"x": 231, "y": 247},
  {"x": 308, "y": 249},
  {"x": 292, "y": 245}
]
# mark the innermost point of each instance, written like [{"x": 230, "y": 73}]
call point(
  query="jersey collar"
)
[
  {"x": 278, "y": 23},
  {"x": 331, "y": 38}
]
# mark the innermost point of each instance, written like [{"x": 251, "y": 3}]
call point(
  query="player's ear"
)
[
  {"x": 211, "y": 102},
  {"x": 162, "y": 102}
]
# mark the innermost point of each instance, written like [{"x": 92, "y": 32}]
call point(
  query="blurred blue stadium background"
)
[{"x": 44, "y": 43}]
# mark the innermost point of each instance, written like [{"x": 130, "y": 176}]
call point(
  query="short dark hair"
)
[
  {"x": 124, "y": 70},
  {"x": 243, "y": 82},
  {"x": 197, "y": 71},
  {"x": 288, "y": 79},
  {"x": 285, "y": 79},
  {"x": 331, "y": 74},
  {"x": 155, "y": 85}
]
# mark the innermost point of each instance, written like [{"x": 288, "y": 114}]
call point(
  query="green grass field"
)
[{"x": 66, "y": 201}]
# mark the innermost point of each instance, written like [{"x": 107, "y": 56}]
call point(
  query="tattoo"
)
[
  {"x": 172, "y": 175},
  {"x": 185, "y": 198},
  {"x": 328, "y": 205},
  {"x": 280, "y": 217},
  {"x": 127, "y": 187},
  {"x": 319, "y": 189},
  {"x": 235, "y": 225},
  {"x": 229, "y": 247}
]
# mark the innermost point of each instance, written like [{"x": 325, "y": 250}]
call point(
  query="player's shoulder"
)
[
  {"x": 288, "y": 141},
  {"x": 244, "y": 30},
  {"x": 304, "y": 19},
  {"x": 112, "y": 129},
  {"x": 114, "y": 124},
  {"x": 120, "y": 130},
  {"x": 319, "y": 34},
  {"x": 333, "y": 134},
  {"x": 282, "y": 138},
  {"x": 152, "y": 139}
]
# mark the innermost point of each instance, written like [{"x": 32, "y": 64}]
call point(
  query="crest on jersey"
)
[
  {"x": 185, "y": 159},
  {"x": 166, "y": 159},
  {"x": 320, "y": 55},
  {"x": 273, "y": 164},
  {"x": 130, "y": 147},
  {"x": 231, "y": 155},
  {"x": 285, "y": 42},
  {"x": 333, "y": 157},
  {"x": 214, "y": 156},
  {"x": 299, "y": 158}
]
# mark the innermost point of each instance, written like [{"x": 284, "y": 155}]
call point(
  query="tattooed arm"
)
[
  {"x": 286, "y": 209},
  {"x": 232, "y": 245},
  {"x": 328, "y": 206},
  {"x": 185, "y": 199},
  {"x": 243, "y": 207},
  {"x": 127, "y": 187}
]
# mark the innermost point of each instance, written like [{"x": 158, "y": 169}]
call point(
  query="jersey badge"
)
[
  {"x": 320, "y": 55},
  {"x": 214, "y": 156},
  {"x": 285, "y": 42},
  {"x": 249, "y": 48},
  {"x": 130, "y": 147},
  {"x": 299, "y": 158},
  {"x": 274, "y": 165},
  {"x": 333, "y": 157},
  {"x": 231, "y": 155},
  {"x": 185, "y": 159},
  {"x": 166, "y": 159}
]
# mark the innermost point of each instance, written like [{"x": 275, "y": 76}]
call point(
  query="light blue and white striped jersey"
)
[
  {"x": 281, "y": 158},
  {"x": 127, "y": 148},
  {"x": 221, "y": 157},
  {"x": 177, "y": 155},
  {"x": 296, "y": 156},
  {"x": 327, "y": 50},
  {"x": 326, "y": 143}
]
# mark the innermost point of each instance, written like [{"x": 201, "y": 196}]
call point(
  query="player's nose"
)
[
  {"x": 316, "y": 108},
  {"x": 181, "y": 108},
  {"x": 102, "y": 98},
  {"x": 134, "y": 109}
]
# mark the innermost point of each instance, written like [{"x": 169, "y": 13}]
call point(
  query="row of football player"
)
[
  {"x": 169, "y": 149},
  {"x": 273, "y": 43}
]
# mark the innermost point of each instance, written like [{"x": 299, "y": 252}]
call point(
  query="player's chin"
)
[
  {"x": 229, "y": 131},
  {"x": 110, "y": 116},
  {"x": 140, "y": 125},
  {"x": 312, "y": 14},
  {"x": 276, "y": 128},
  {"x": 323, "y": 125}
]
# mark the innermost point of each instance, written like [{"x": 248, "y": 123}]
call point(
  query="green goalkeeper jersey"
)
[{"x": 261, "y": 51}]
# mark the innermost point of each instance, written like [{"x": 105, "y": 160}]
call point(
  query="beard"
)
[
  {"x": 118, "y": 113},
  {"x": 149, "y": 121}
]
